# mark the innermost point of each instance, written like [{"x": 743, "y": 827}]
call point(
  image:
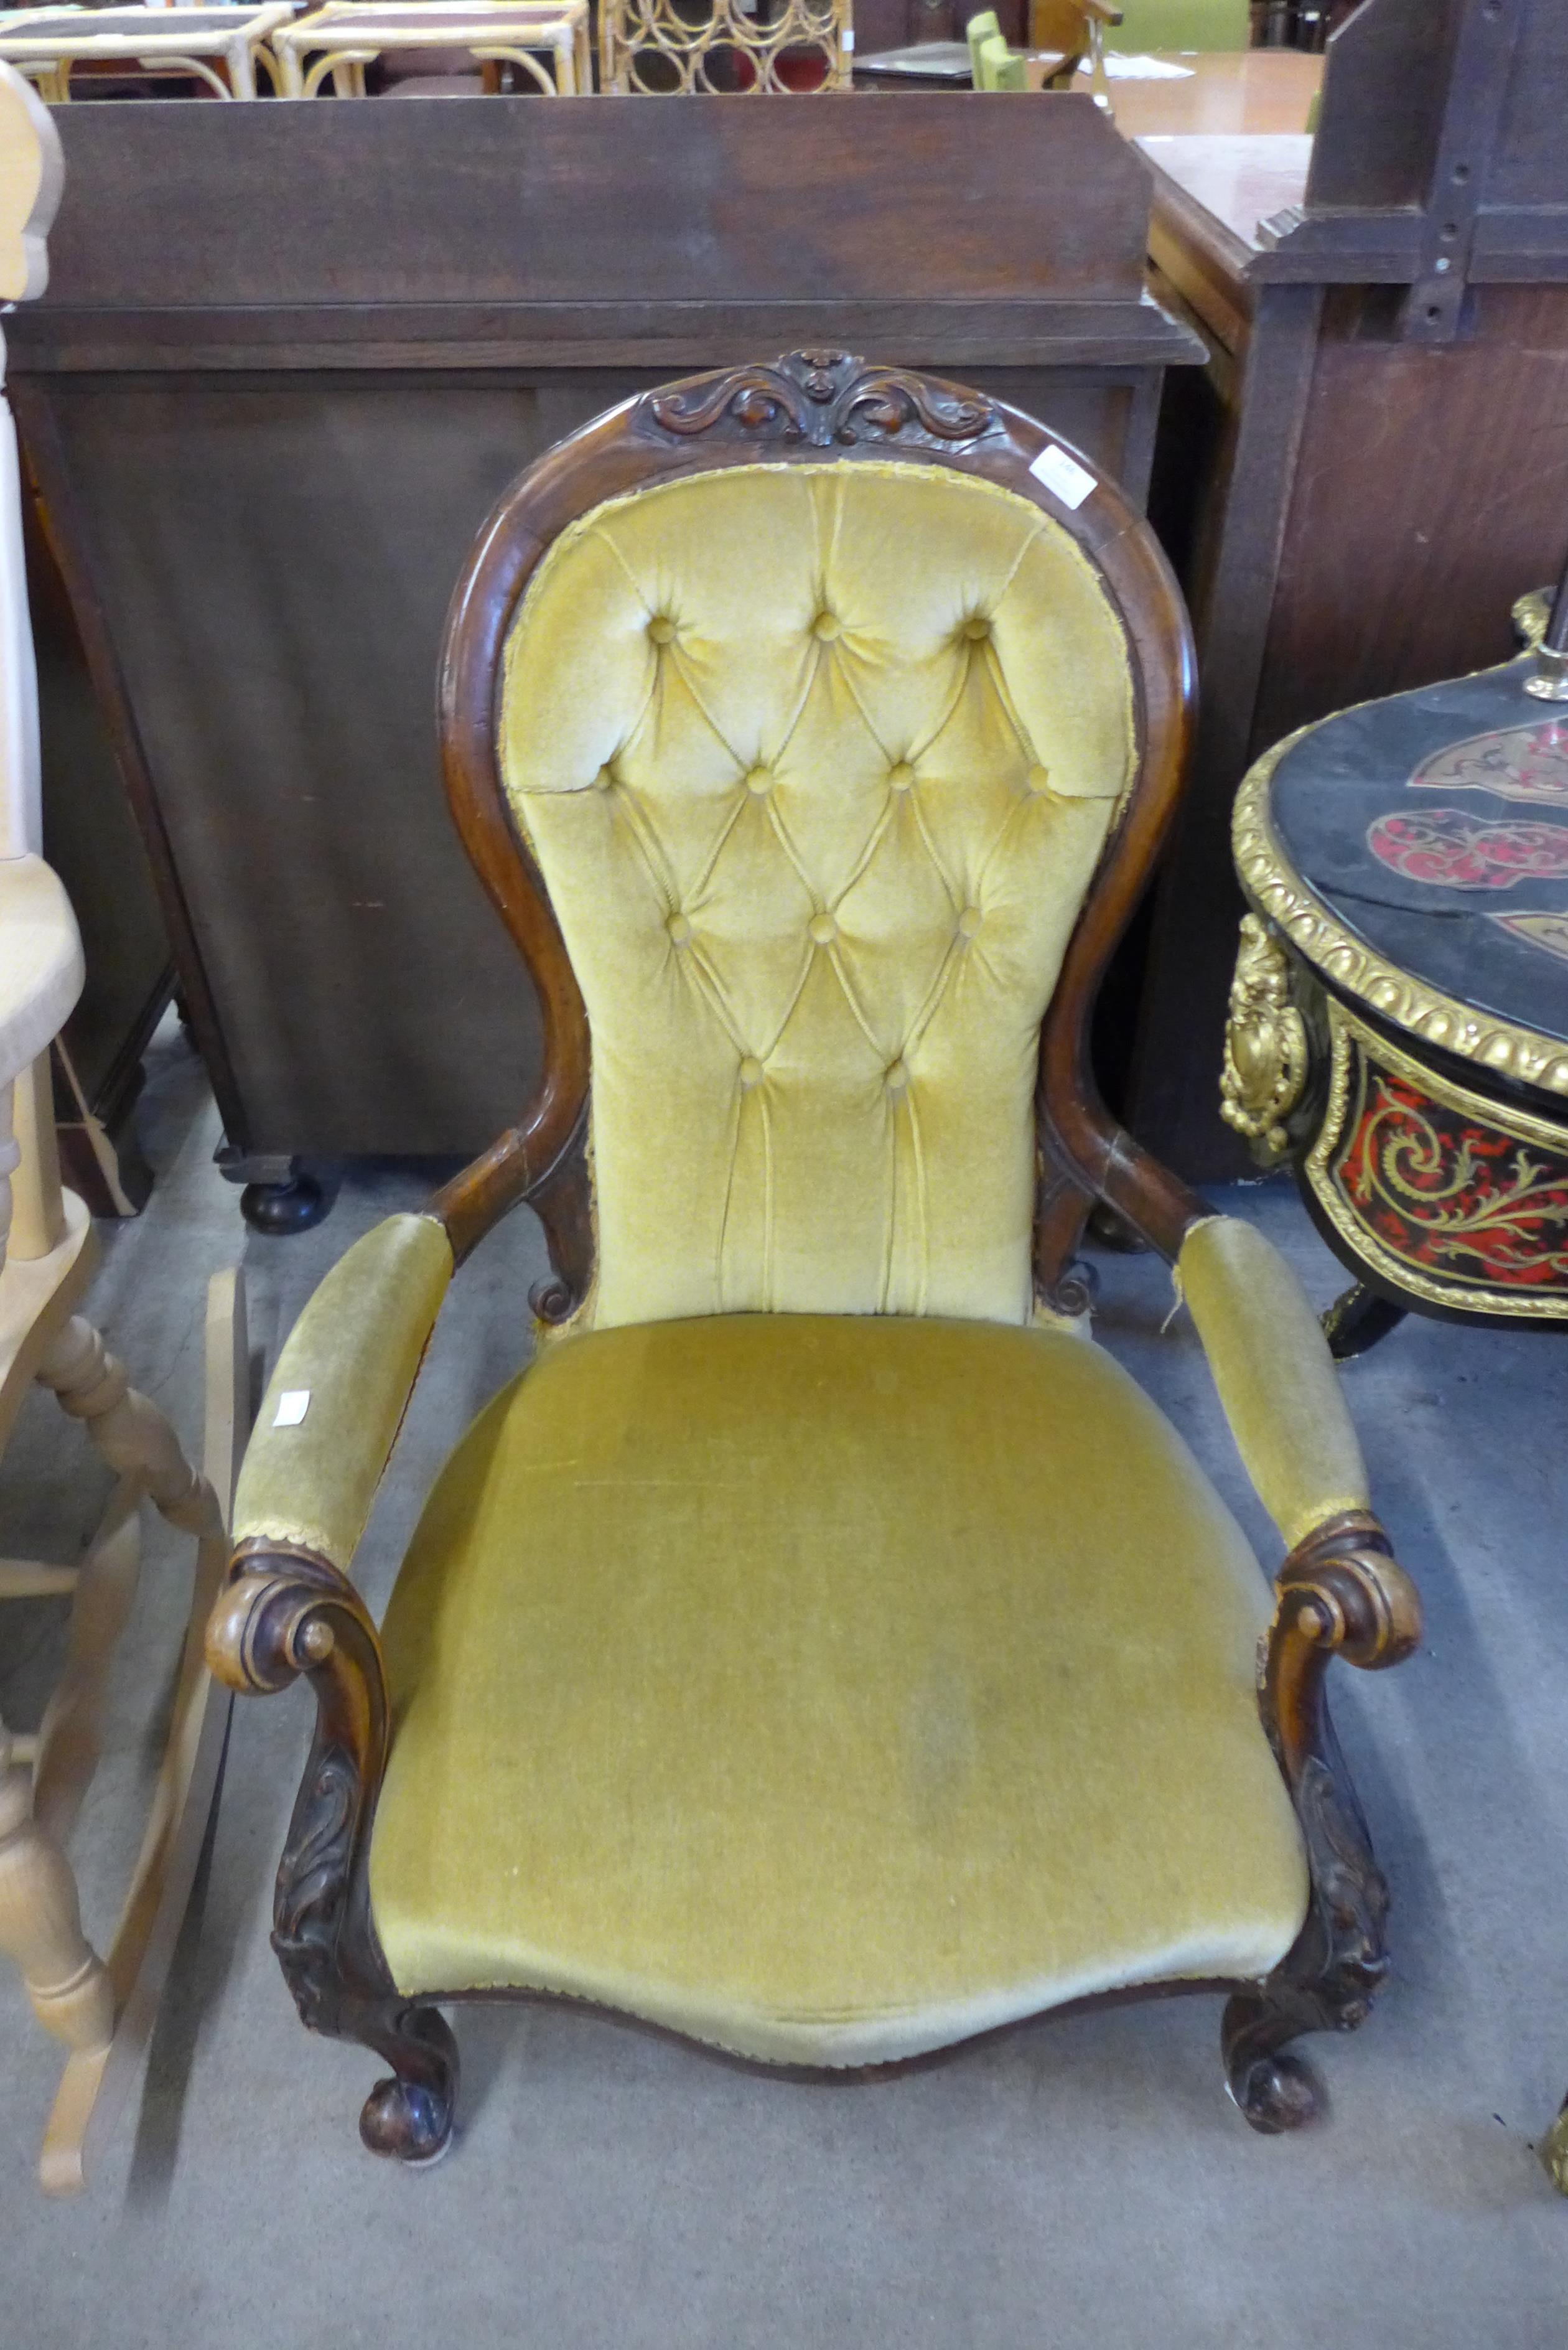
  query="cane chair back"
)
[{"x": 669, "y": 47}]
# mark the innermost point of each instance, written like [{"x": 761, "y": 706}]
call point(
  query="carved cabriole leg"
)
[
  {"x": 130, "y": 1432},
  {"x": 40, "y": 1920},
  {"x": 1339, "y": 1593},
  {"x": 284, "y": 1614}
]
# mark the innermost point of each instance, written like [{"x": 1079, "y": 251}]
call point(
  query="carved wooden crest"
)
[{"x": 825, "y": 398}]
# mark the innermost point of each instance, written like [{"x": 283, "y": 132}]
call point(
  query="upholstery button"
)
[
  {"x": 750, "y": 1072},
  {"x": 679, "y": 929},
  {"x": 1038, "y": 781},
  {"x": 901, "y": 777},
  {"x": 969, "y": 922},
  {"x": 822, "y": 930},
  {"x": 976, "y": 628},
  {"x": 760, "y": 780},
  {"x": 896, "y": 1077},
  {"x": 826, "y": 626},
  {"x": 661, "y": 629}
]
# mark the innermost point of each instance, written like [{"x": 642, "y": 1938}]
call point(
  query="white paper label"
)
[
  {"x": 848, "y": 40},
  {"x": 1063, "y": 478},
  {"x": 292, "y": 1407}
]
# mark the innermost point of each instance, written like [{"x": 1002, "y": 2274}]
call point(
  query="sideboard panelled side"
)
[
  {"x": 264, "y": 454},
  {"x": 1384, "y": 418}
]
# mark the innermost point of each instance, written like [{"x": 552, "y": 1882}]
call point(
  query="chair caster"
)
[
  {"x": 1274, "y": 2093},
  {"x": 405, "y": 2122}
]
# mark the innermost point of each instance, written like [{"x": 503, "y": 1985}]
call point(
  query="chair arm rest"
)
[
  {"x": 1275, "y": 1377},
  {"x": 308, "y": 1484}
]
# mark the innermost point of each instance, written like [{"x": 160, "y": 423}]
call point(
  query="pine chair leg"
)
[
  {"x": 131, "y": 1433},
  {"x": 96, "y": 2081},
  {"x": 408, "y": 2116},
  {"x": 40, "y": 1920}
]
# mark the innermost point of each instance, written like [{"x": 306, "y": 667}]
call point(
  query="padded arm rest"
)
[
  {"x": 355, "y": 1354},
  {"x": 1274, "y": 1374}
]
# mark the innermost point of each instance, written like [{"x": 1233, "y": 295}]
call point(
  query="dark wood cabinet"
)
[{"x": 266, "y": 445}]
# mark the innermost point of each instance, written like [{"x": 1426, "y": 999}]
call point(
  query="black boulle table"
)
[{"x": 1399, "y": 1018}]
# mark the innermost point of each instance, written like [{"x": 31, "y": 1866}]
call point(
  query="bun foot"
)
[
  {"x": 282, "y": 1208},
  {"x": 1275, "y": 2094},
  {"x": 410, "y": 2123}
]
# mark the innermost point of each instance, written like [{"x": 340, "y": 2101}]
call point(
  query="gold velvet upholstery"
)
[
  {"x": 1277, "y": 1378},
  {"x": 829, "y": 1688},
  {"x": 354, "y": 1353},
  {"x": 816, "y": 763}
]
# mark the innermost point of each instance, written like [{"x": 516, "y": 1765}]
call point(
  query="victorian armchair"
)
[{"x": 824, "y": 1650}]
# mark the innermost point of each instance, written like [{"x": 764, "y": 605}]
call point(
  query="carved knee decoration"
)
[{"x": 284, "y": 1614}]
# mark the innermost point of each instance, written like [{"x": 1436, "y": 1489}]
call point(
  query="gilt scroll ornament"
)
[
  {"x": 1265, "y": 1070},
  {"x": 1433, "y": 1190},
  {"x": 1267, "y": 875}
]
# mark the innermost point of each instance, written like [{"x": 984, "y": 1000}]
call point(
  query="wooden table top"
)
[
  {"x": 1238, "y": 178},
  {"x": 1265, "y": 90}
]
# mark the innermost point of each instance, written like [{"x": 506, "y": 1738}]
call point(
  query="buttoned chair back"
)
[{"x": 812, "y": 749}]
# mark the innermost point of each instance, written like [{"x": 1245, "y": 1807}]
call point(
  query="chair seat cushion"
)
[
  {"x": 829, "y": 1688},
  {"x": 41, "y": 968}
]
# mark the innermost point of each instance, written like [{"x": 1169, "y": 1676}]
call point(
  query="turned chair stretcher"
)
[{"x": 621, "y": 1321}]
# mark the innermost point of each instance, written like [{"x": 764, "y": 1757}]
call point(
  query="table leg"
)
[
  {"x": 242, "y": 69},
  {"x": 1357, "y": 1319}
]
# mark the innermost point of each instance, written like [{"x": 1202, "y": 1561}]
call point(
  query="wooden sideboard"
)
[
  {"x": 288, "y": 359},
  {"x": 1370, "y": 469}
]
